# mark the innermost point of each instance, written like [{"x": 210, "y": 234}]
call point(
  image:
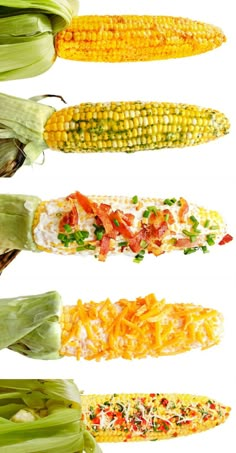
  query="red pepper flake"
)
[
  {"x": 164, "y": 402},
  {"x": 227, "y": 238}
]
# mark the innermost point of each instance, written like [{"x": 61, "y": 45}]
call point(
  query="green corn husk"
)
[
  {"x": 21, "y": 131},
  {"x": 30, "y": 325},
  {"x": 27, "y": 30},
  {"x": 55, "y": 408},
  {"x": 16, "y": 220}
]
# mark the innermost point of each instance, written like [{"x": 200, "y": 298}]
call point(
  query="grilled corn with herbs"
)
[{"x": 27, "y": 128}]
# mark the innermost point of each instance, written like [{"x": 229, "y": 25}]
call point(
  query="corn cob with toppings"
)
[
  {"x": 102, "y": 226},
  {"x": 154, "y": 416},
  {"x": 41, "y": 327},
  {"x": 135, "y": 38},
  {"x": 27, "y": 45},
  {"x": 27, "y": 128}
]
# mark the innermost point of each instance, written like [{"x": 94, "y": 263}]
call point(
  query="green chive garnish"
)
[
  {"x": 204, "y": 249},
  {"x": 116, "y": 222},
  {"x": 210, "y": 239},
  {"x": 193, "y": 219},
  {"x": 67, "y": 228},
  {"x": 135, "y": 199},
  {"x": 207, "y": 223},
  {"x": 123, "y": 244},
  {"x": 190, "y": 250},
  {"x": 166, "y": 217},
  {"x": 99, "y": 231},
  {"x": 214, "y": 227},
  {"x": 152, "y": 209},
  {"x": 143, "y": 244},
  {"x": 146, "y": 214},
  {"x": 190, "y": 234},
  {"x": 139, "y": 257}
]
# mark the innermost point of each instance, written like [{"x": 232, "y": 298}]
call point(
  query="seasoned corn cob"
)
[
  {"x": 27, "y": 128},
  {"x": 102, "y": 226},
  {"x": 132, "y": 126},
  {"x": 136, "y": 329},
  {"x": 154, "y": 416},
  {"x": 106, "y": 225},
  {"x": 41, "y": 327},
  {"x": 135, "y": 38}
]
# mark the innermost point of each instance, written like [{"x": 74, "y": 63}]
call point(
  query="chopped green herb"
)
[
  {"x": 193, "y": 219},
  {"x": 214, "y": 227},
  {"x": 190, "y": 250},
  {"x": 116, "y": 222},
  {"x": 166, "y": 217},
  {"x": 193, "y": 238},
  {"x": 123, "y": 244},
  {"x": 135, "y": 199},
  {"x": 210, "y": 239},
  {"x": 179, "y": 203},
  {"x": 207, "y": 223},
  {"x": 169, "y": 201},
  {"x": 153, "y": 209},
  {"x": 204, "y": 249},
  {"x": 67, "y": 228},
  {"x": 85, "y": 247},
  {"x": 146, "y": 214},
  {"x": 190, "y": 234},
  {"x": 99, "y": 231},
  {"x": 143, "y": 244},
  {"x": 139, "y": 257}
]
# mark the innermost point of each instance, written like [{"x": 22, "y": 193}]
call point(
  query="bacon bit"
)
[
  {"x": 122, "y": 228},
  {"x": 83, "y": 201},
  {"x": 171, "y": 219},
  {"x": 156, "y": 218},
  {"x": 162, "y": 230},
  {"x": 103, "y": 214},
  {"x": 183, "y": 210},
  {"x": 148, "y": 233},
  {"x": 227, "y": 238},
  {"x": 70, "y": 218},
  {"x": 105, "y": 247},
  {"x": 185, "y": 242},
  {"x": 128, "y": 218}
]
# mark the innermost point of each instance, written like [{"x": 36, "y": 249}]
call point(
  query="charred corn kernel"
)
[
  {"x": 134, "y": 329},
  {"x": 159, "y": 125},
  {"x": 135, "y": 38},
  {"x": 154, "y": 416}
]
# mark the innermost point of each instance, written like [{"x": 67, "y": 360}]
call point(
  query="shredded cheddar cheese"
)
[{"x": 136, "y": 329}]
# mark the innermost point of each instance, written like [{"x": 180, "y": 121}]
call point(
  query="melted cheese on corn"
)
[{"x": 137, "y": 329}]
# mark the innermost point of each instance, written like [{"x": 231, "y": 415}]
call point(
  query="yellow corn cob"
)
[
  {"x": 102, "y": 226},
  {"x": 136, "y": 329},
  {"x": 132, "y": 126},
  {"x": 135, "y": 38},
  {"x": 154, "y": 416}
]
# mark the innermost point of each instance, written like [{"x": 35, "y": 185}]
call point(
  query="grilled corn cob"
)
[
  {"x": 135, "y": 38},
  {"x": 102, "y": 226},
  {"x": 154, "y": 416},
  {"x": 27, "y": 37},
  {"x": 41, "y": 327},
  {"x": 29, "y": 128}
]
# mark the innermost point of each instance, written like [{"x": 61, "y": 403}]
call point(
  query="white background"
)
[{"x": 203, "y": 174}]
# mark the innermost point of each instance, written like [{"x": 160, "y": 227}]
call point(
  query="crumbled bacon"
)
[
  {"x": 70, "y": 218},
  {"x": 183, "y": 210}
]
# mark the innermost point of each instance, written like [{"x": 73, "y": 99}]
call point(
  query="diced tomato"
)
[
  {"x": 164, "y": 402},
  {"x": 212, "y": 406},
  {"x": 70, "y": 218},
  {"x": 227, "y": 238},
  {"x": 83, "y": 201},
  {"x": 96, "y": 421},
  {"x": 183, "y": 210}
]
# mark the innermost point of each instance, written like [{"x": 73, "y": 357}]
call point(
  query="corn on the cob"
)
[
  {"x": 154, "y": 416},
  {"x": 27, "y": 128},
  {"x": 106, "y": 225},
  {"x": 40, "y": 327},
  {"x": 135, "y": 38},
  {"x": 132, "y": 126},
  {"x": 102, "y": 226},
  {"x": 136, "y": 329}
]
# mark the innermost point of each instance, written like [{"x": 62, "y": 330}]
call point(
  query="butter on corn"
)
[
  {"x": 135, "y": 38},
  {"x": 27, "y": 128}
]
